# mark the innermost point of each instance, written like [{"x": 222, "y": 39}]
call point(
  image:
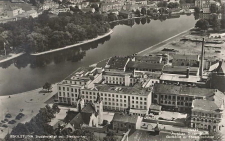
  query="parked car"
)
[
  {"x": 12, "y": 122},
  {"x": 4, "y": 125},
  {"x": 19, "y": 116},
  {"x": 8, "y": 115}
]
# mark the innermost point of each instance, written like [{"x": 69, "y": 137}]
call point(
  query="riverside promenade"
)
[{"x": 74, "y": 45}]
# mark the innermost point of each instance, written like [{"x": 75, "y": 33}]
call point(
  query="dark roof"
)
[
  {"x": 77, "y": 121},
  {"x": 144, "y": 65},
  {"x": 168, "y": 89},
  {"x": 155, "y": 107},
  {"x": 147, "y": 58},
  {"x": 78, "y": 118},
  {"x": 180, "y": 69},
  {"x": 121, "y": 117},
  {"x": 117, "y": 62},
  {"x": 186, "y": 56},
  {"x": 70, "y": 115},
  {"x": 89, "y": 108},
  {"x": 221, "y": 68},
  {"x": 183, "y": 90}
]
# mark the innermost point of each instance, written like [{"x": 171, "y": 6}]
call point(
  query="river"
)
[{"x": 27, "y": 72}]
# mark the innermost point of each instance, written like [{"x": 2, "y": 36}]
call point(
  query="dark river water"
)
[{"x": 27, "y": 73}]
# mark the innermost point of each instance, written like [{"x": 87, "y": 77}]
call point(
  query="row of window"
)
[
  {"x": 178, "y": 103},
  {"x": 68, "y": 89},
  {"x": 174, "y": 97},
  {"x": 114, "y": 95},
  {"x": 68, "y": 94},
  {"x": 206, "y": 115},
  {"x": 204, "y": 120}
]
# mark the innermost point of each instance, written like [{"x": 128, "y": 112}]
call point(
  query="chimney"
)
[
  {"x": 187, "y": 72},
  {"x": 202, "y": 59}
]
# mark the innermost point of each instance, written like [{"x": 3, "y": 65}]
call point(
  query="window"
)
[
  {"x": 132, "y": 97},
  {"x": 71, "y": 89},
  {"x": 63, "y": 88},
  {"x": 137, "y": 98},
  {"x": 59, "y": 88},
  {"x": 67, "y": 88},
  {"x": 124, "y": 96}
]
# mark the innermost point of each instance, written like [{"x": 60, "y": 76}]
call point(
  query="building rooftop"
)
[
  {"x": 155, "y": 107},
  {"x": 180, "y": 70},
  {"x": 135, "y": 90},
  {"x": 179, "y": 78},
  {"x": 82, "y": 74},
  {"x": 184, "y": 90},
  {"x": 221, "y": 68},
  {"x": 76, "y": 118},
  {"x": 148, "y": 58},
  {"x": 117, "y": 62},
  {"x": 121, "y": 117},
  {"x": 186, "y": 57},
  {"x": 144, "y": 65},
  {"x": 206, "y": 105},
  {"x": 117, "y": 74}
]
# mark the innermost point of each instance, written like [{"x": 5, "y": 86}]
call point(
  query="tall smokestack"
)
[
  {"x": 202, "y": 59},
  {"x": 187, "y": 72}
]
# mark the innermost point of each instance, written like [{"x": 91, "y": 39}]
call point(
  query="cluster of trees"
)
[
  {"x": 38, "y": 125},
  {"x": 187, "y": 1},
  {"x": 173, "y": 5},
  {"x": 170, "y": 5},
  {"x": 162, "y": 4},
  {"x": 45, "y": 33},
  {"x": 214, "y": 8},
  {"x": 214, "y": 22},
  {"x": 202, "y": 24}
]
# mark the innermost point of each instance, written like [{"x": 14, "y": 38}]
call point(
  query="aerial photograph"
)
[{"x": 112, "y": 70}]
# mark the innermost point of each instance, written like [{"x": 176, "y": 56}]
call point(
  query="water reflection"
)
[
  {"x": 77, "y": 53},
  {"x": 72, "y": 55}
]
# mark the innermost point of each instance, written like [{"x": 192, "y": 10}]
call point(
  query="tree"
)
[
  {"x": 173, "y": 5},
  {"x": 143, "y": 11},
  {"x": 223, "y": 23},
  {"x": 112, "y": 17},
  {"x": 55, "y": 108},
  {"x": 202, "y": 24},
  {"x": 162, "y": 4},
  {"x": 47, "y": 86},
  {"x": 213, "y": 8},
  {"x": 197, "y": 10},
  {"x": 138, "y": 13}
]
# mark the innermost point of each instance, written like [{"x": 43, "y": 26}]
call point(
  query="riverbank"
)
[
  {"x": 12, "y": 56},
  {"x": 163, "y": 43},
  {"x": 30, "y": 102},
  {"x": 74, "y": 45}
]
